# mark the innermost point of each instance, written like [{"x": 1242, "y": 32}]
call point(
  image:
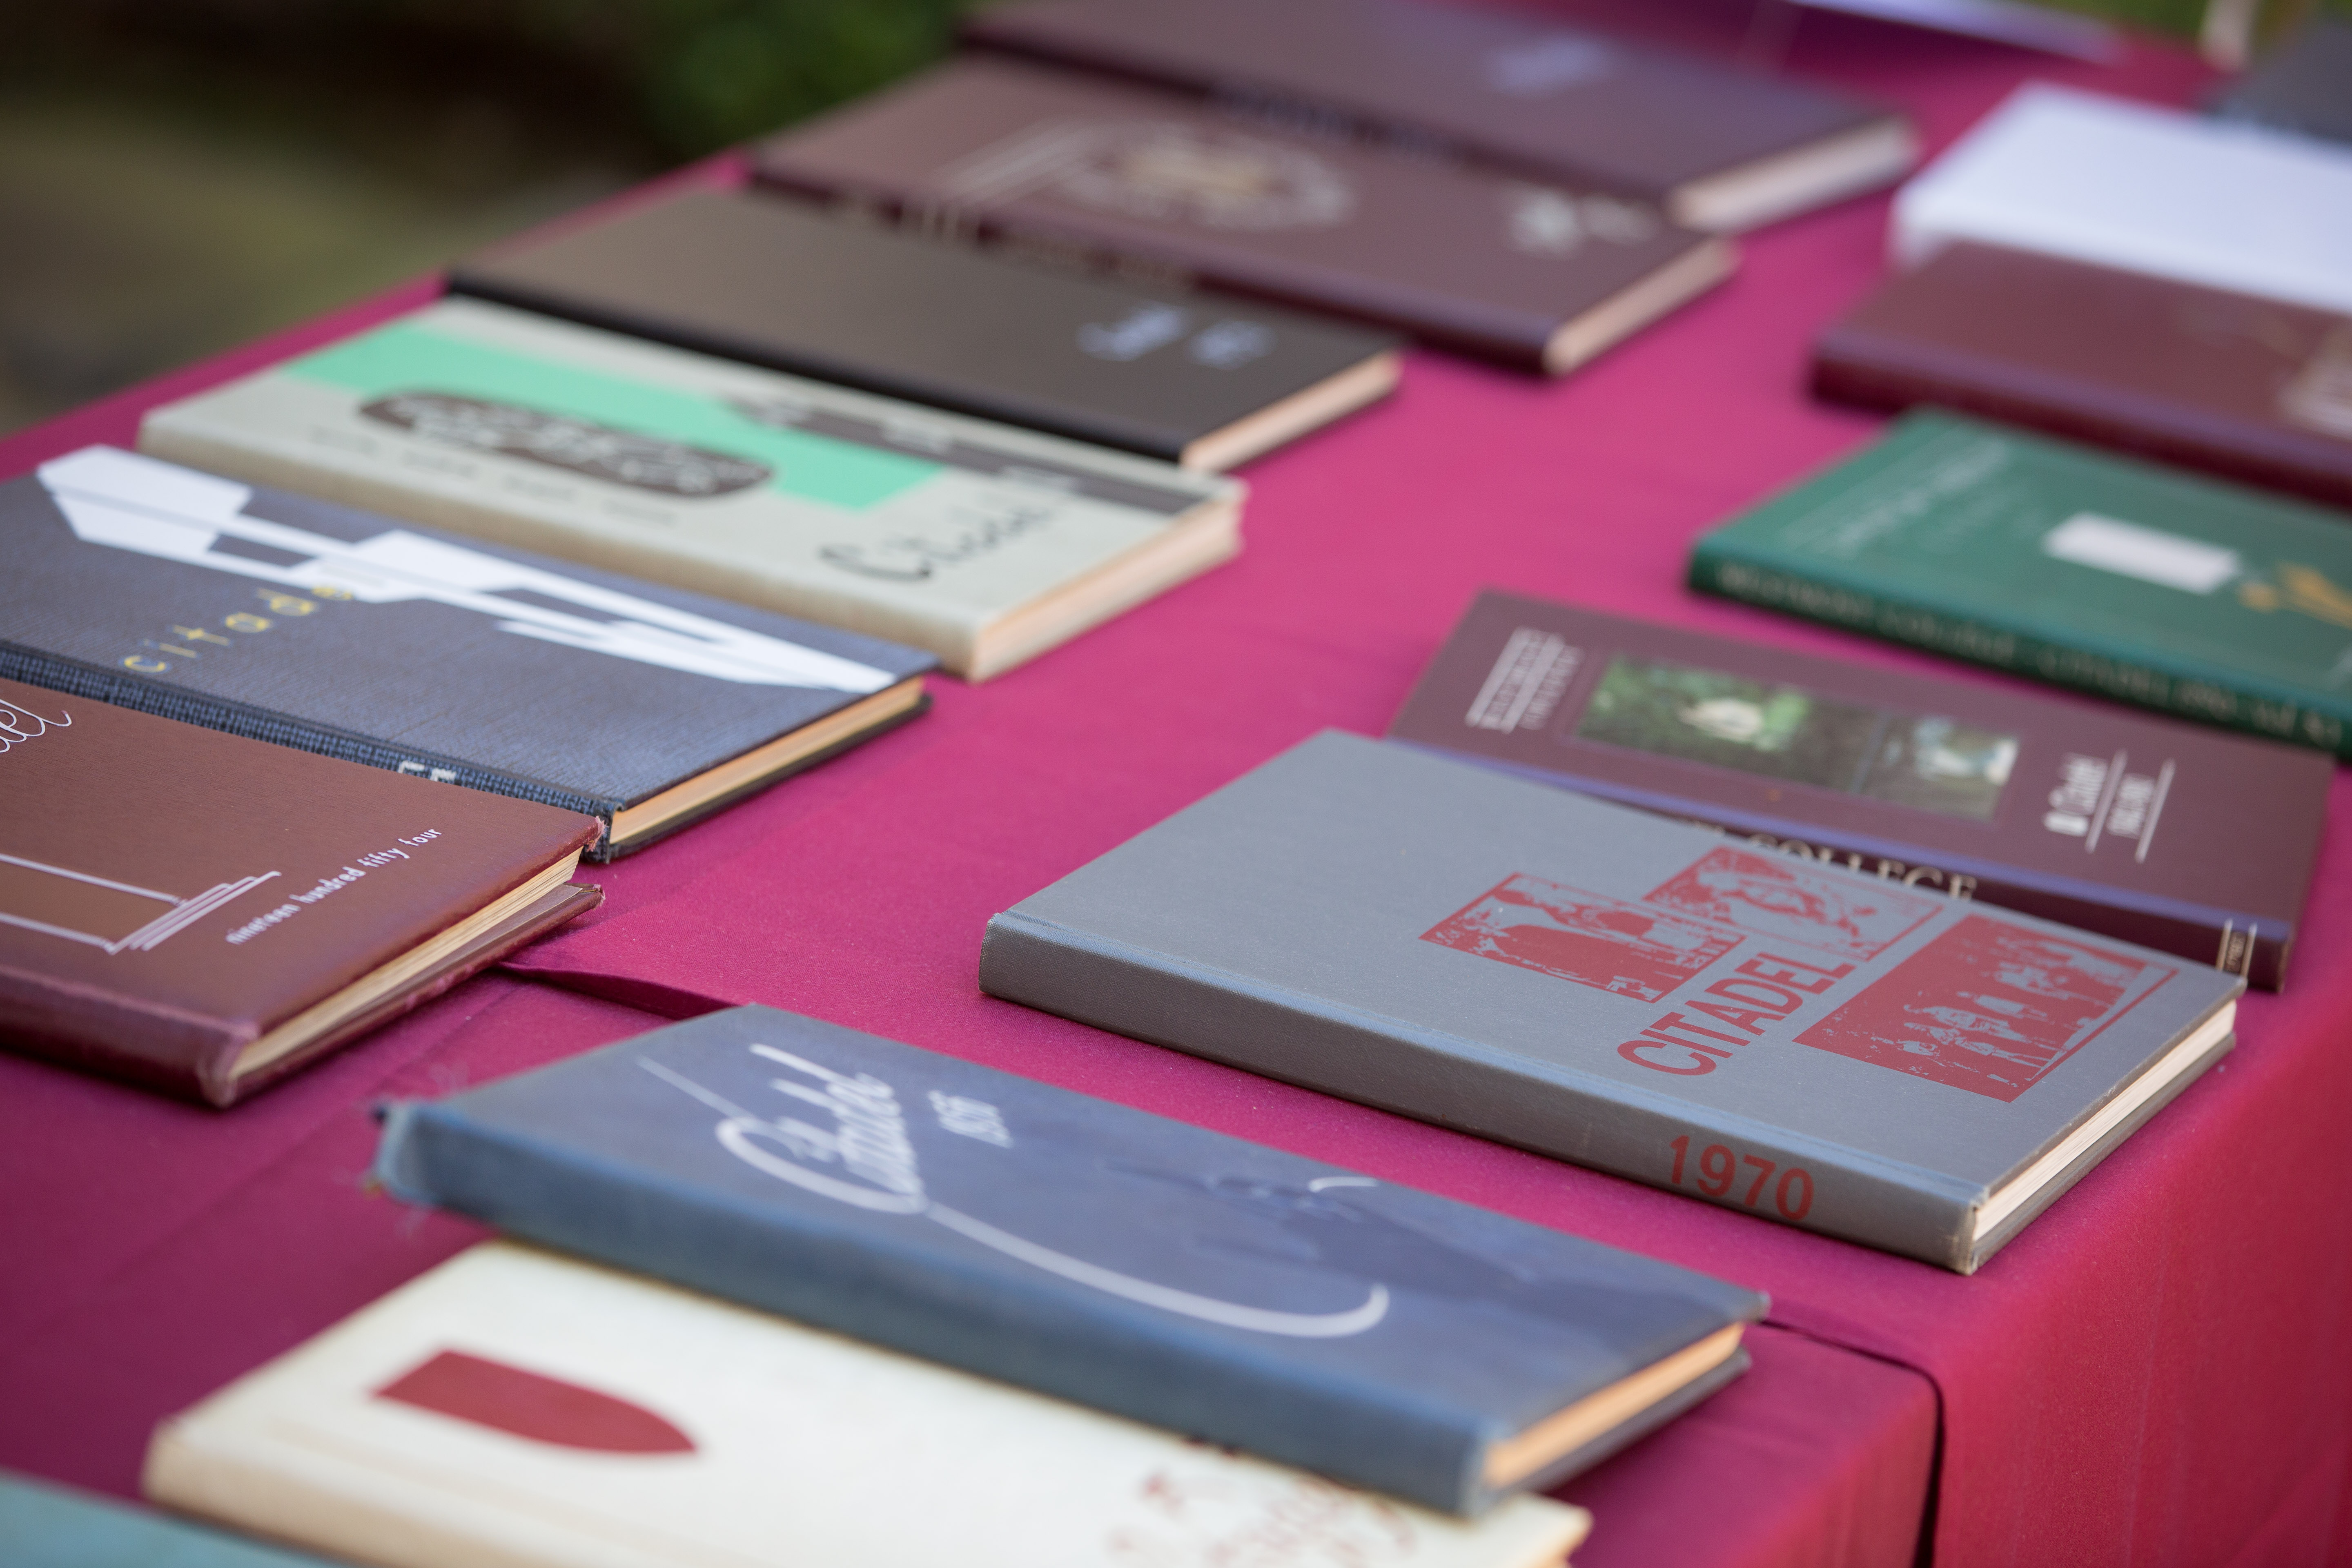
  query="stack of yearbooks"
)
[{"x": 652, "y": 512}]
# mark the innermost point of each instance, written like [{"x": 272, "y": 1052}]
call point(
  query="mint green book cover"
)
[{"x": 2199, "y": 598}]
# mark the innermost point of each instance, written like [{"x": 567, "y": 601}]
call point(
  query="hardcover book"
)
[
  {"x": 2142, "y": 188},
  {"x": 1540, "y": 275},
  {"x": 2077, "y": 812},
  {"x": 207, "y": 938},
  {"x": 2250, "y": 388},
  {"x": 1717, "y": 147},
  {"x": 514, "y": 1409},
  {"x": 1789, "y": 1039},
  {"x": 46, "y": 1526},
  {"x": 985, "y": 544},
  {"x": 2189, "y": 595},
  {"x": 1228, "y": 1291},
  {"x": 1197, "y": 379},
  {"x": 274, "y": 615}
]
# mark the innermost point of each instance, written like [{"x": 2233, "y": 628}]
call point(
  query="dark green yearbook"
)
[{"x": 2113, "y": 576}]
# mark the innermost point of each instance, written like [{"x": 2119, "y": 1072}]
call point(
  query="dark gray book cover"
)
[
  {"x": 47, "y": 1526},
  {"x": 343, "y": 632},
  {"x": 1796, "y": 1041},
  {"x": 2304, "y": 85},
  {"x": 1188, "y": 377},
  {"x": 1226, "y": 1291}
]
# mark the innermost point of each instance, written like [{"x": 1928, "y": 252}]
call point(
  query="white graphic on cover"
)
[
  {"x": 178, "y": 913},
  {"x": 868, "y": 1143},
  {"x": 128, "y": 503},
  {"x": 1158, "y": 170}
]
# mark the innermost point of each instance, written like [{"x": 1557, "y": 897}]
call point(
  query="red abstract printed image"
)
[
  {"x": 1781, "y": 897},
  {"x": 1987, "y": 1007},
  {"x": 1585, "y": 937}
]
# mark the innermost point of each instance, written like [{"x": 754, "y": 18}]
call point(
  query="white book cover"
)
[
  {"x": 515, "y": 1409},
  {"x": 2143, "y": 188},
  {"x": 983, "y": 544}
]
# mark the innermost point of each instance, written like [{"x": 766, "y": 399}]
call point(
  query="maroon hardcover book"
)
[
  {"x": 2252, "y": 388},
  {"x": 2172, "y": 835},
  {"x": 1077, "y": 169},
  {"x": 1719, "y": 148},
  {"x": 200, "y": 913}
]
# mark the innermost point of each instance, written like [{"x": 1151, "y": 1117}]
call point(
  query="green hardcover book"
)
[{"x": 2045, "y": 558}]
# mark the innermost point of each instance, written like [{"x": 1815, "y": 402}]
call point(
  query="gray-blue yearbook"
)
[{"x": 1383, "y": 1336}]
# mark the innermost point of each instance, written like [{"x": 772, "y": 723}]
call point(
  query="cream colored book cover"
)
[
  {"x": 982, "y": 543},
  {"x": 514, "y": 1409}
]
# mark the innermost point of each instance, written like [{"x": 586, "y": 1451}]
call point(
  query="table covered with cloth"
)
[{"x": 2154, "y": 1372}]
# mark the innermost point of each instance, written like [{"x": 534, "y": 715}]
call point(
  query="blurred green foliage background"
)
[{"x": 177, "y": 176}]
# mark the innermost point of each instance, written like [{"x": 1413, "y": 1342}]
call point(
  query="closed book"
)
[
  {"x": 338, "y": 631},
  {"x": 2254, "y": 389},
  {"x": 2078, "y": 812},
  {"x": 2142, "y": 188},
  {"x": 201, "y": 914},
  {"x": 47, "y": 1526},
  {"x": 985, "y": 544},
  {"x": 515, "y": 1409},
  {"x": 1198, "y": 379},
  {"x": 1540, "y": 275},
  {"x": 2189, "y": 595},
  {"x": 2303, "y": 86},
  {"x": 1796, "y": 1041},
  {"x": 1717, "y": 147},
  {"x": 1225, "y": 1290}
]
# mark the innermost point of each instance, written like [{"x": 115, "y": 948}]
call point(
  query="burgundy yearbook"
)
[
  {"x": 1085, "y": 171},
  {"x": 2254, "y": 389},
  {"x": 2169, "y": 835},
  {"x": 1717, "y": 147},
  {"x": 200, "y": 913}
]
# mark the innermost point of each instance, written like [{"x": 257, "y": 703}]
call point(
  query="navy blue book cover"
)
[
  {"x": 1378, "y": 1334},
  {"x": 336, "y": 630}
]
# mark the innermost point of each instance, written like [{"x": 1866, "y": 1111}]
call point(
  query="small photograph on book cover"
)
[
  {"x": 1987, "y": 1007},
  {"x": 1918, "y": 760},
  {"x": 1594, "y": 940},
  {"x": 1781, "y": 897}
]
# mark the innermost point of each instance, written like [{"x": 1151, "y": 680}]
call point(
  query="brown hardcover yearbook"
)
[
  {"x": 1185, "y": 376},
  {"x": 1017, "y": 155},
  {"x": 2119, "y": 823},
  {"x": 1719, "y": 149},
  {"x": 2255, "y": 389},
  {"x": 201, "y": 914}
]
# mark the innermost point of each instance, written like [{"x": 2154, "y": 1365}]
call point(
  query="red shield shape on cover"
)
[
  {"x": 1986, "y": 1007},
  {"x": 531, "y": 1404},
  {"x": 1783, "y": 898},
  {"x": 1594, "y": 940}
]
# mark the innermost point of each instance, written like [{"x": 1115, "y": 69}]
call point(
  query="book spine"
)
[
  {"x": 78, "y": 679},
  {"x": 173, "y": 1052},
  {"x": 2209, "y": 696},
  {"x": 1422, "y": 312},
  {"x": 1645, "y": 1136},
  {"x": 862, "y": 1281},
  {"x": 1855, "y": 366}
]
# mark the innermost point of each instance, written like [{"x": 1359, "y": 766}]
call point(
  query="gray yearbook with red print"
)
[{"x": 1793, "y": 1040}]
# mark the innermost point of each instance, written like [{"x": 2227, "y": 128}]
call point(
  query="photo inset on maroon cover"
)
[
  {"x": 1781, "y": 731},
  {"x": 1986, "y": 1007},
  {"x": 1778, "y": 895},
  {"x": 1585, "y": 937}
]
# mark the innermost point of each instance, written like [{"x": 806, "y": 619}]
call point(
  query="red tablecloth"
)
[{"x": 2154, "y": 1372}]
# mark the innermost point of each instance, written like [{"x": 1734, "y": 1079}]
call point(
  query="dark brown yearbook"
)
[
  {"x": 2255, "y": 389},
  {"x": 1539, "y": 275},
  {"x": 201, "y": 914},
  {"x": 2169, "y": 835},
  {"x": 1719, "y": 149},
  {"x": 1188, "y": 377}
]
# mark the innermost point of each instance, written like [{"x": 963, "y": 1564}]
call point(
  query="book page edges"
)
[
  {"x": 1786, "y": 184},
  {"x": 1635, "y": 306},
  {"x": 1526, "y": 1453}
]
